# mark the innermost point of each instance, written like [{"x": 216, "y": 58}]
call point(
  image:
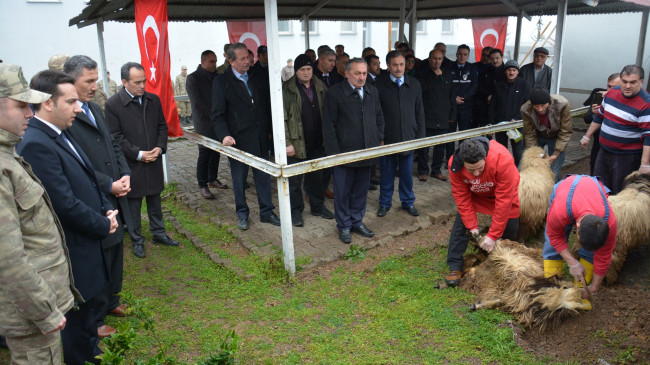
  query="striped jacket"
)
[{"x": 625, "y": 122}]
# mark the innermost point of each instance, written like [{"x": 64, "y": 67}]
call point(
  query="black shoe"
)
[
  {"x": 372, "y": 187},
  {"x": 381, "y": 212},
  {"x": 138, "y": 249},
  {"x": 363, "y": 230},
  {"x": 345, "y": 236},
  {"x": 412, "y": 211},
  {"x": 325, "y": 213},
  {"x": 242, "y": 224},
  {"x": 272, "y": 218},
  {"x": 297, "y": 221},
  {"x": 165, "y": 240}
]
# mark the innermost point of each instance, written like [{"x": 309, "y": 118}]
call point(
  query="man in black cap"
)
[
  {"x": 261, "y": 67},
  {"x": 508, "y": 96},
  {"x": 536, "y": 72},
  {"x": 547, "y": 122}
]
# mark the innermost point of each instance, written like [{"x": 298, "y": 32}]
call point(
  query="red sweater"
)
[
  {"x": 495, "y": 191},
  {"x": 586, "y": 200}
]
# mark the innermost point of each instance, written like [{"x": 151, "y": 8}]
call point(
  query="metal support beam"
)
[
  {"x": 277, "y": 116},
  {"x": 102, "y": 54},
  {"x": 414, "y": 25},
  {"x": 640, "y": 49},
  {"x": 402, "y": 18},
  {"x": 305, "y": 27},
  {"x": 514, "y": 7},
  {"x": 311, "y": 11},
  {"x": 559, "y": 40},
  {"x": 518, "y": 36}
]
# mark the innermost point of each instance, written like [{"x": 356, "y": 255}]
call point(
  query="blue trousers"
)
[
  {"x": 438, "y": 153},
  {"x": 556, "y": 166},
  {"x": 239, "y": 171},
  {"x": 79, "y": 336},
  {"x": 351, "y": 189},
  {"x": 387, "y": 168},
  {"x": 549, "y": 253}
]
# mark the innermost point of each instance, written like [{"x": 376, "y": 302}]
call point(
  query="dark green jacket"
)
[{"x": 293, "y": 129}]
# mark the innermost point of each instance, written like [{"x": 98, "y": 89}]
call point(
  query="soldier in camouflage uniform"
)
[
  {"x": 112, "y": 85},
  {"x": 221, "y": 69},
  {"x": 184, "y": 107},
  {"x": 56, "y": 62},
  {"x": 36, "y": 285}
]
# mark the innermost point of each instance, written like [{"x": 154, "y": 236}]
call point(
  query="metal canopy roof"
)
[{"x": 350, "y": 10}]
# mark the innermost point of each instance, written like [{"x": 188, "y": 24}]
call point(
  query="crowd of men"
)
[{"x": 75, "y": 172}]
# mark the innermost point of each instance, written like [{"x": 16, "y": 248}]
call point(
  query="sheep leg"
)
[{"x": 492, "y": 303}]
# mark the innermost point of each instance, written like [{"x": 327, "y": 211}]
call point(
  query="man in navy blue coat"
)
[{"x": 85, "y": 213}]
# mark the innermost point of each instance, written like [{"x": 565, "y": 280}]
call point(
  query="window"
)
[
  {"x": 348, "y": 28},
  {"x": 447, "y": 26},
  {"x": 421, "y": 27},
  {"x": 313, "y": 27},
  {"x": 284, "y": 27}
]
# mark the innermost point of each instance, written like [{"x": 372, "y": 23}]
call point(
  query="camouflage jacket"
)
[
  {"x": 179, "y": 85},
  {"x": 36, "y": 284}
]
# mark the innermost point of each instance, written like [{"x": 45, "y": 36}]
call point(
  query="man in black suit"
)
[
  {"x": 199, "y": 89},
  {"x": 85, "y": 213},
  {"x": 91, "y": 132},
  {"x": 136, "y": 120},
  {"x": 401, "y": 103},
  {"x": 352, "y": 120},
  {"x": 241, "y": 118}
]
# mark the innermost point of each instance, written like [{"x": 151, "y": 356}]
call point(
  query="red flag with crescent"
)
[
  {"x": 489, "y": 32},
  {"x": 151, "y": 25},
  {"x": 252, "y": 34}
]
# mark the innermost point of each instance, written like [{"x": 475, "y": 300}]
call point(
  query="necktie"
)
[
  {"x": 399, "y": 82},
  {"x": 358, "y": 89},
  {"x": 326, "y": 77},
  {"x": 137, "y": 101},
  {"x": 86, "y": 109},
  {"x": 244, "y": 78},
  {"x": 72, "y": 148}
]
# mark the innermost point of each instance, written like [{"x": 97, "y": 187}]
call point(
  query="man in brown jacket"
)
[
  {"x": 36, "y": 285},
  {"x": 135, "y": 118},
  {"x": 547, "y": 122}
]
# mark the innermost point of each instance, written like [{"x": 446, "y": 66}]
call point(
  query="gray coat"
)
[
  {"x": 352, "y": 124},
  {"x": 402, "y": 108},
  {"x": 138, "y": 128},
  {"x": 107, "y": 159},
  {"x": 527, "y": 72}
]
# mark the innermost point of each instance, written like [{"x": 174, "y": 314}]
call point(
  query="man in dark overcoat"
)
[
  {"x": 352, "y": 121},
  {"x": 241, "y": 118},
  {"x": 91, "y": 132},
  {"x": 135, "y": 118},
  {"x": 401, "y": 103}
]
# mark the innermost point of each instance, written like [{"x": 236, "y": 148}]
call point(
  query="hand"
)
[
  {"x": 460, "y": 100},
  {"x": 584, "y": 143},
  {"x": 594, "y": 108},
  {"x": 228, "y": 141},
  {"x": 578, "y": 272},
  {"x": 111, "y": 215},
  {"x": 59, "y": 327},
  {"x": 644, "y": 169},
  {"x": 291, "y": 151},
  {"x": 117, "y": 189},
  {"x": 126, "y": 182},
  {"x": 488, "y": 244},
  {"x": 552, "y": 158}
]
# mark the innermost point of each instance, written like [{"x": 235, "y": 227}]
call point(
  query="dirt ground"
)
[{"x": 615, "y": 331}]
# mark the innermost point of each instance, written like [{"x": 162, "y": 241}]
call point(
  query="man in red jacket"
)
[
  {"x": 580, "y": 200},
  {"x": 484, "y": 179}
]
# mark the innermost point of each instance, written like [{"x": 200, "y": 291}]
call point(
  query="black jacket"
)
[
  {"x": 199, "y": 89},
  {"x": 402, "y": 108},
  {"x": 508, "y": 99},
  {"x": 527, "y": 72},
  {"x": 352, "y": 124},
  {"x": 334, "y": 76},
  {"x": 237, "y": 114},
  {"x": 466, "y": 82},
  {"x": 107, "y": 159},
  {"x": 439, "y": 98}
]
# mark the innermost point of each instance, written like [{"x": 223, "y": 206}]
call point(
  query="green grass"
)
[{"x": 390, "y": 314}]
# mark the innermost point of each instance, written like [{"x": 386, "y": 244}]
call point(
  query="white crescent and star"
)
[
  {"x": 249, "y": 35},
  {"x": 150, "y": 23},
  {"x": 487, "y": 32}
]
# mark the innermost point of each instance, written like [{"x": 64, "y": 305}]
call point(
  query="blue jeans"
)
[
  {"x": 556, "y": 167},
  {"x": 387, "y": 167},
  {"x": 549, "y": 253}
]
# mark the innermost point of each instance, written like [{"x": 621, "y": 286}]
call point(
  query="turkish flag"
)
[
  {"x": 489, "y": 32},
  {"x": 252, "y": 34},
  {"x": 151, "y": 25}
]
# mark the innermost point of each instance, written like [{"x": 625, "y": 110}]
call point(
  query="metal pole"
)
[
  {"x": 414, "y": 25},
  {"x": 642, "y": 32},
  {"x": 277, "y": 113},
  {"x": 305, "y": 27},
  {"x": 559, "y": 39},
  {"x": 402, "y": 16},
  {"x": 518, "y": 36},
  {"x": 102, "y": 55}
]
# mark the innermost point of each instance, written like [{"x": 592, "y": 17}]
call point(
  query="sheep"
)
[
  {"x": 535, "y": 187},
  {"x": 631, "y": 207},
  {"x": 511, "y": 278}
]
